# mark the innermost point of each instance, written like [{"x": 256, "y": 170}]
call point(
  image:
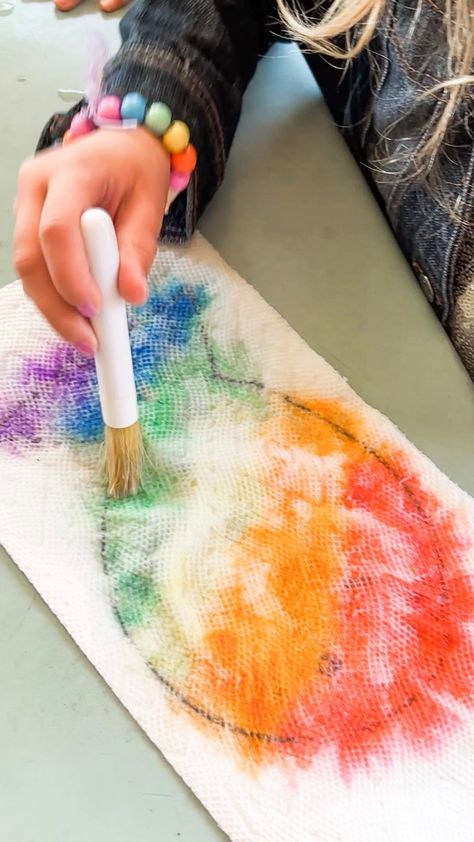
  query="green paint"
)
[
  {"x": 236, "y": 365},
  {"x": 115, "y": 548},
  {"x": 166, "y": 410},
  {"x": 165, "y": 415},
  {"x": 243, "y": 396},
  {"x": 136, "y": 598},
  {"x": 160, "y": 484},
  {"x": 203, "y": 391}
]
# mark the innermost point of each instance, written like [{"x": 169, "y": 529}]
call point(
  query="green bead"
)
[{"x": 158, "y": 118}]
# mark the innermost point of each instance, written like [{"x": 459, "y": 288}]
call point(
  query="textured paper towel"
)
[{"x": 287, "y": 607}]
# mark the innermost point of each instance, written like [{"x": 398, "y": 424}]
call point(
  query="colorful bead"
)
[
  {"x": 109, "y": 108},
  {"x": 158, "y": 118},
  {"x": 81, "y": 125},
  {"x": 176, "y": 139},
  {"x": 133, "y": 107},
  {"x": 185, "y": 161},
  {"x": 179, "y": 181},
  {"x": 174, "y": 135}
]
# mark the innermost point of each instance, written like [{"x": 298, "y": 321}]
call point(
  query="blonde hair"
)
[{"x": 353, "y": 24}]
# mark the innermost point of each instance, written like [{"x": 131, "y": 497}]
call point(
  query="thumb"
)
[{"x": 137, "y": 225}]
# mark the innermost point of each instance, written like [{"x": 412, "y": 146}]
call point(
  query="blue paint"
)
[
  {"x": 58, "y": 389},
  {"x": 163, "y": 327}
]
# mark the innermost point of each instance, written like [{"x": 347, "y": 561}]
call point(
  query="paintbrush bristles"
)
[{"x": 124, "y": 456}]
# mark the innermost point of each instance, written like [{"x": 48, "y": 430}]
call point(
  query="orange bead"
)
[
  {"x": 185, "y": 161},
  {"x": 67, "y": 138}
]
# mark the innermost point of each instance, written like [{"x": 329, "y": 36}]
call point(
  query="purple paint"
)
[
  {"x": 56, "y": 397},
  {"x": 19, "y": 422},
  {"x": 56, "y": 389}
]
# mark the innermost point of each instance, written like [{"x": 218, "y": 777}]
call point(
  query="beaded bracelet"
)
[{"x": 130, "y": 112}]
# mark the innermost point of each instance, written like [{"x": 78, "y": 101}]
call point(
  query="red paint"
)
[
  {"x": 361, "y": 641},
  {"x": 426, "y": 597}
]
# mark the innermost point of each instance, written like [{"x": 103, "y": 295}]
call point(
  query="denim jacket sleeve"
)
[{"x": 197, "y": 56}]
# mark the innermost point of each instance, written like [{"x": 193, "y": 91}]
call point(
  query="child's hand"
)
[
  {"x": 124, "y": 172},
  {"x": 105, "y": 5}
]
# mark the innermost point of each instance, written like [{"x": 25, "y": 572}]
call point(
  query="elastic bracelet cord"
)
[{"x": 132, "y": 111}]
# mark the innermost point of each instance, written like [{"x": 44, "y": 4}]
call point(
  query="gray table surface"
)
[{"x": 295, "y": 219}]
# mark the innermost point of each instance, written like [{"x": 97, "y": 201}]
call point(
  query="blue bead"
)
[{"x": 133, "y": 107}]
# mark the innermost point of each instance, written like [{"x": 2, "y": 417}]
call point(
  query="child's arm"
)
[
  {"x": 195, "y": 55},
  {"x": 199, "y": 56}
]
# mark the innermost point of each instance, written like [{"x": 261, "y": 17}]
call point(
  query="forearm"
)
[{"x": 197, "y": 56}]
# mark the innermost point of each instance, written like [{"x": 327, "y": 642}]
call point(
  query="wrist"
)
[{"x": 152, "y": 124}]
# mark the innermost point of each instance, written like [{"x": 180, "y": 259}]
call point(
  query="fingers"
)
[
  {"x": 62, "y": 317},
  {"x": 137, "y": 225},
  {"x": 32, "y": 269},
  {"x": 128, "y": 175},
  {"x": 140, "y": 215},
  {"x": 62, "y": 244},
  {"x": 27, "y": 209}
]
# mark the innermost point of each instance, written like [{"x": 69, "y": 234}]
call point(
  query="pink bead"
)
[
  {"x": 109, "y": 108},
  {"x": 81, "y": 125},
  {"x": 179, "y": 180}
]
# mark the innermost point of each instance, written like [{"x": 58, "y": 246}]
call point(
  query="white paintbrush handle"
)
[{"x": 118, "y": 396}]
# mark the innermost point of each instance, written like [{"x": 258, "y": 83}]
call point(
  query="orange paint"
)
[
  {"x": 344, "y": 624},
  {"x": 246, "y": 676}
]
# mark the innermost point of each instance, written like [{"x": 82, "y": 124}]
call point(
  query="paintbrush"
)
[{"x": 117, "y": 390}]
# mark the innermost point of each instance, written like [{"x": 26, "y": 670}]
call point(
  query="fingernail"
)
[
  {"x": 88, "y": 311},
  {"x": 85, "y": 348}
]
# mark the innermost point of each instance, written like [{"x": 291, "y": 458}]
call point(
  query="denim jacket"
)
[{"x": 199, "y": 56}]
